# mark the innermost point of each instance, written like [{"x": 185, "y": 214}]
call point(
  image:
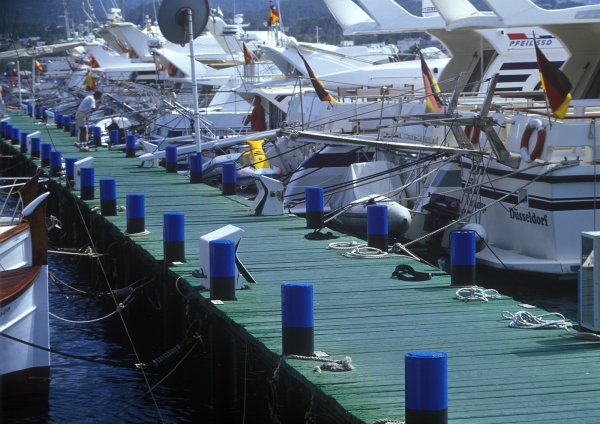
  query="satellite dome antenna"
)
[{"x": 180, "y": 22}]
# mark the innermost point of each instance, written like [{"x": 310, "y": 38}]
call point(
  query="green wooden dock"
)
[{"x": 497, "y": 374}]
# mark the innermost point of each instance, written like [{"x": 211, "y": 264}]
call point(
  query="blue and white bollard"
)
[
  {"x": 173, "y": 237},
  {"x": 130, "y": 146},
  {"x": 229, "y": 178},
  {"x": 97, "y": 136},
  {"x": 462, "y": 258},
  {"x": 108, "y": 196},
  {"x": 15, "y": 138},
  {"x": 297, "y": 319},
  {"x": 222, "y": 269},
  {"x": 46, "y": 149},
  {"x": 24, "y": 135},
  {"x": 377, "y": 227},
  {"x": 136, "y": 214},
  {"x": 426, "y": 387},
  {"x": 36, "y": 146},
  {"x": 196, "y": 168},
  {"x": 66, "y": 123},
  {"x": 113, "y": 136},
  {"x": 55, "y": 163},
  {"x": 171, "y": 158},
  {"x": 314, "y": 208},
  {"x": 59, "y": 121},
  {"x": 87, "y": 183},
  {"x": 69, "y": 168}
]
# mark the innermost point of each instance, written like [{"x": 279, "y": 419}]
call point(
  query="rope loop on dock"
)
[
  {"x": 345, "y": 245},
  {"x": 365, "y": 252},
  {"x": 335, "y": 365},
  {"x": 143, "y": 233},
  {"x": 524, "y": 319},
  {"x": 387, "y": 421},
  {"x": 474, "y": 293}
]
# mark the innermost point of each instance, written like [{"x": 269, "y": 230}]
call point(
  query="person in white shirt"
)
[{"x": 90, "y": 104}]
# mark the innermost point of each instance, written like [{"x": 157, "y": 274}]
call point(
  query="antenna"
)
[{"x": 181, "y": 21}]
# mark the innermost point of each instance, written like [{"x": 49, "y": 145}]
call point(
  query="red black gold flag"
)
[
  {"x": 318, "y": 85},
  {"x": 248, "y": 56},
  {"x": 432, "y": 91},
  {"x": 556, "y": 84},
  {"x": 38, "y": 66},
  {"x": 273, "y": 16}
]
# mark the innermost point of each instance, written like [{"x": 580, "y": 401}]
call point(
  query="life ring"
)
[
  {"x": 473, "y": 137},
  {"x": 532, "y": 125}
]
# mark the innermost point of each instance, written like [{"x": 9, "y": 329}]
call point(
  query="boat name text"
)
[
  {"x": 528, "y": 217},
  {"x": 4, "y": 311},
  {"x": 529, "y": 43}
]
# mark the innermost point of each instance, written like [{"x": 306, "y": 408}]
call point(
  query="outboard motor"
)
[{"x": 442, "y": 209}]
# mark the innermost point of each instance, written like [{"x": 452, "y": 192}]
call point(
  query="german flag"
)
[
  {"x": 556, "y": 84},
  {"x": 273, "y": 16},
  {"x": 248, "y": 56},
  {"x": 38, "y": 66},
  {"x": 318, "y": 85},
  {"x": 432, "y": 91}
]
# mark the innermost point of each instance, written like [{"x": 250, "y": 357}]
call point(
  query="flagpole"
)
[
  {"x": 543, "y": 89},
  {"x": 19, "y": 80}
]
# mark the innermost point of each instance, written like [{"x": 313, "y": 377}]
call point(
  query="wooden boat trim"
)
[
  {"x": 17, "y": 229},
  {"x": 15, "y": 282}
]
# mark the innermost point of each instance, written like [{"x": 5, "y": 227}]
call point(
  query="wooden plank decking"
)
[{"x": 497, "y": 374}]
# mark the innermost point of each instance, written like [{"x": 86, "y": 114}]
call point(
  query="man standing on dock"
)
[
  {"x": 257, "y": 117},
  {"x": 90, "y": 104}
]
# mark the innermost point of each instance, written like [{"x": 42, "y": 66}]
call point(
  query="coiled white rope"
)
[
  {"x": 334, "y": 365},
  {"x": 524, "y": 319},
  {"x": 365, "y": 252},
  {"x": 345, "y": 245},
  {"x": 473, "y": 293}
]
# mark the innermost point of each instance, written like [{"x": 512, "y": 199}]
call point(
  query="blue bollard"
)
[
  {"x": 24, "y": 135},
  {"x": 74, "y": 130},
  {"x": 2, "y": 128},
  {"x": 66, "y": 123},
  {"x": 36, "y": 144},
  {"x": 8, "y": 131},
  {"x": 37, "y": 112},
  {"x": 43, "y": 111},
  {"x": 462, "y": 258},
  {"x": 222, "y": 269},
  {"x": 314, "y": 208},
  {"x": 297, "y": 319},
  {"x": 15, "y": 138},
  {"x": 59, "y": 121},
  {"x": 55, "y": 163},
  {"x": 171, "y": 159},
  {"x": 229, "y": 171},
  {"x": 113, "y": 136},
  {"x": 108, "y": 196},
  {"x": 377, "y": 227},
  {"x": 173, "y": 237},
  {"x": 136, "y": 215},
  {"x": 97, "y": 135},
  {"x": 46, "y": 149},
  {"x": 87, "y": 183},
  {"x": 196, "y": 168},
  {"x": 69, "y": 168},
  {"x": 130, "y": 146},
  {"x": 29, "y": 109},
  {"x": 426, "y": 387}
]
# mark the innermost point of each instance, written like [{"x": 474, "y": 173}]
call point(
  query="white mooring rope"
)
[
  {"x": 474, "y": 293},
  {"x": 524, "y": 319}
]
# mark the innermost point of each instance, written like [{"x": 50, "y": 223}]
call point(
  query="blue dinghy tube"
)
[
  {"x": 108, "y": 196},
  {"x": 462, "y": 258},
  {"x": 66, "y": 123},
  {"x": 97, "y": 136},
  {"x": 297, "y": 319},
  {"x": 196, "y": 168},
  {"x": 171, "y": 159},
  {"x": 377, "y": 227},
  {"x": 229, "y": 178},
  {"x": 222, "y": 269},
  {"x": 426, "y": 387},
  {"x": 24, "y": 135},
  {"x": 87, "y": 183},
  {"x": 314, "y": 208},
  {"x": 113, "y": 136},
  {"x": 15, "y": 138},
  {"x": 69, "y": 168},
  {"x": 130, "y": 146},
  {"x": 46, "y": 149},
  {"x": 55, "y": 163},
  {"x": 173, "y": 237},
  {"x": 59, "y": 121},
  {"x": 36, "y": 145},
  {"x": 136, "y": 215}
]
